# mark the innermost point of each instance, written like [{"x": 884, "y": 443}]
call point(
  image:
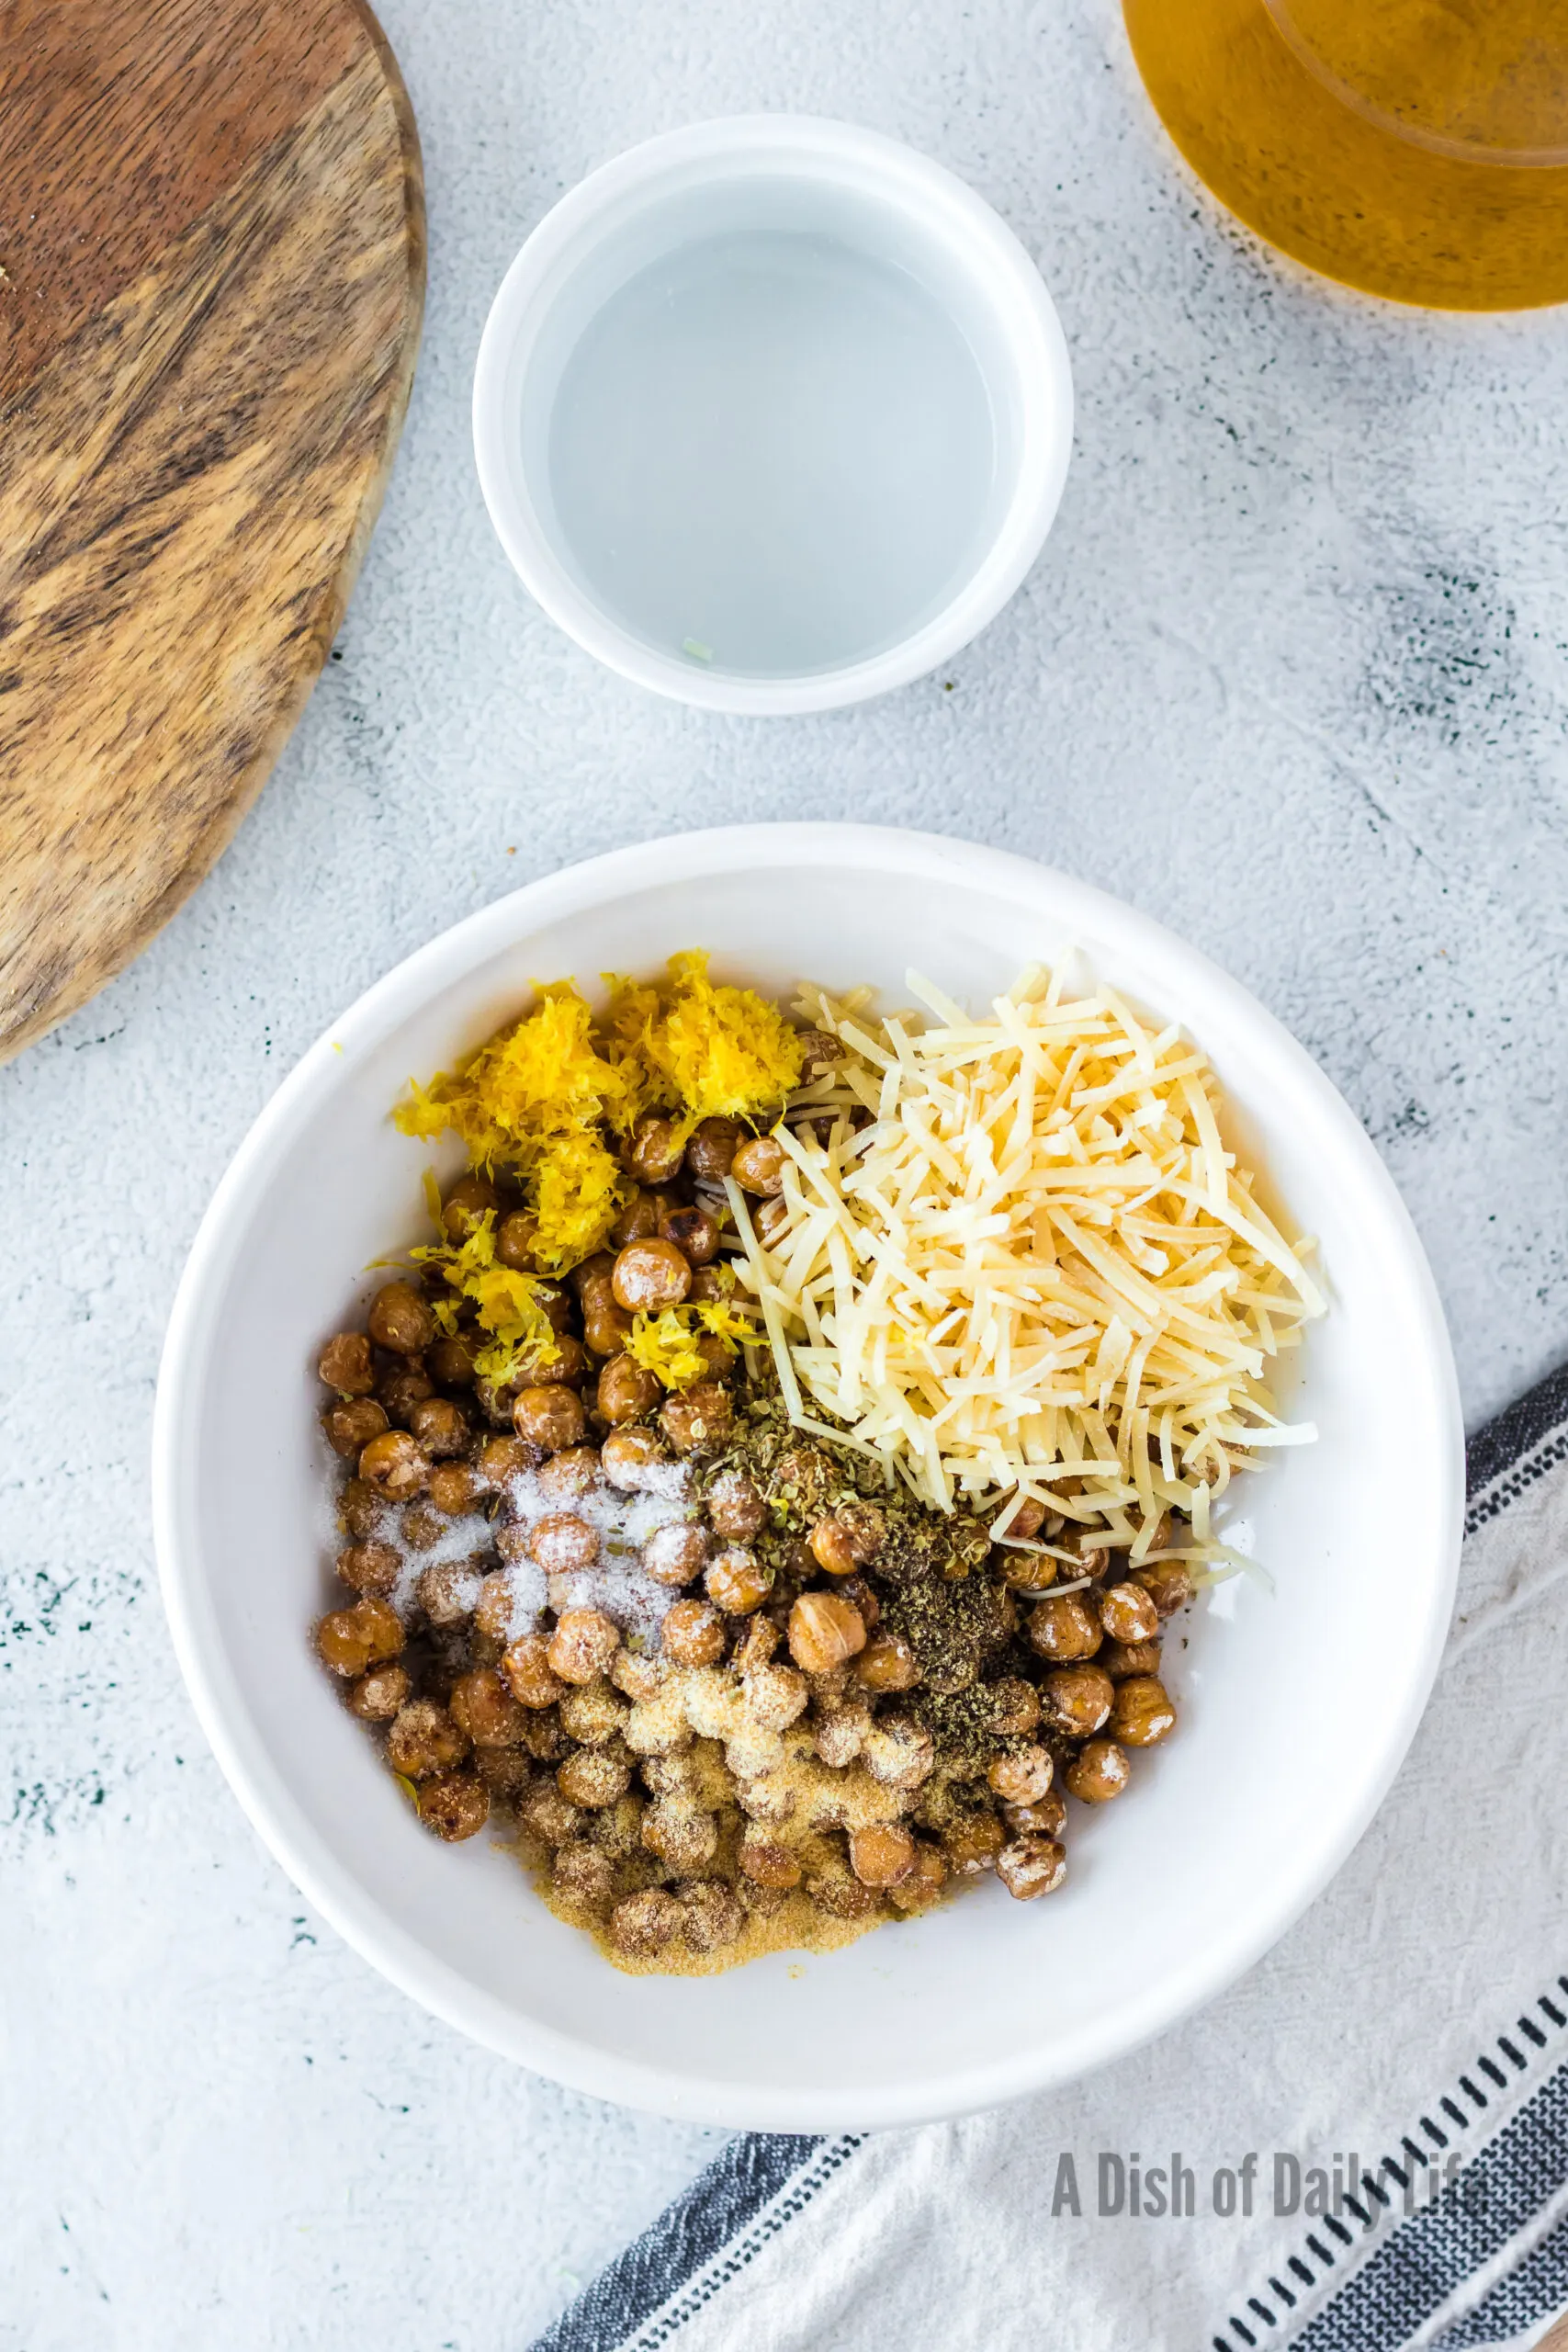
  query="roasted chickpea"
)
[
  {"x": 681, "y": 1834},
  {"x": 361, "y": 1510},
  {"x": 492, "y": 1610},
  {"x": 607, "y": 1328},
  {"x": 441, "y": 1427},
  {"x": 926, "y": 1879},
  {"x": 582, "y": 1645},
  {"x": 514, "y": 1242},
  {"x": 770, "y": 1218},
  {"x": 973, "y": 1843},
  {"x": 712, "y": 1149},
  {"x": 859, "y": 1594},
  {"x": 483, "y": 1706},
  {"x": 567, "y": 1477},
  {"x": 1032, "y": 1866},
  {"x": 1078, "y": 1698},
  {"x": 372, "y": 1569},
  {"x": 547, "y": 1815},
  {"x": 626, "y": 1390},
  {"x": 453, "y": 1489},
  {"x": 900, "y": 1752},
  {"x": 551, "y": 1417},
  {"x": 650, "y": 1275},
  {"x": 1023, "y": 1775},
  {"x": 831, "y": 1547},
  {"x": 452, "y": 1361},
  {"x": 424, "y": 1739},
  {"x": 345, "y": 1364},
  {"x": 1015, "y": 1704},
  {"x": 401, "y": 1319},
  {"x": 592, "y": 1714},
  {"x": 632, "y": 1458},
  {"x": 1043, "y": 1818},
  {"x": 1128, "y": 1613},
  {"x": 446, "y": 1592},
  {"x": 674, "y": 1555},
  {"x": 693, "y": 1633},
  {"x": 654, "y": 1151},
  {"x": 420, "y": 1528},
  {"x": 736, "y": 1581},
  {"x": 350, "y": 1426},
  {"x": 736, "y": 1507},
  {"x": 759, "y": 1166},
  {"x": 407, "y": 1384},
  {"x": 1141, "y": 1714},
  {"x": 710, "y": 1284},
  {"x": 1024, "y": 1519},
  {"x": 396, "y": 1464},
  {"x": 582, "y": 1879},
  {"x": 377, "y": 1696},
  {"x": 500, "y": 1459},
  {"x": 1027, "y": 1571},
  {"x": 639, "y": 1221},
  {"x": 1121, "y": 1658},
  {"x": 594, "y": 1777},
  {"x": 507, "y": 1772},
  {"x": 712, "y": 1915},
  {"x": 1098, "y": 1772},
  {"x": 526, "y": 1665},
  {"x": 887, "y": 1663},
  {"x": 881, "y": 1854},
  {"x": 1064, "y": 1627},
  {"x": 776, "y": 1696},
  {"x": 470, "y": 1198},
  {"x": 597, "y": 1269},
  {"x": 697, "y": 1417},
  {"x": 351, "y": 1641},
  {"x": 694, "y": 1232},
  {"x": 767, "y": 1863},
  {"x": 1168, "y": 1584},
  {"x": 839, "y": 1731},
  {"x": 824, "y": 1632},
  {"x": 564, "y": 1544},
  {"x": 456, "y": 1806},
  {"x": 641, "y": 1925}
]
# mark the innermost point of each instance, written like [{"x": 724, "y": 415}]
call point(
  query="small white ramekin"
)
[{"x": 569, "y": 261}]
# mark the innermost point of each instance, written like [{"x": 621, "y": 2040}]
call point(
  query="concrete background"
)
[{"x": 1290, "y": 673}]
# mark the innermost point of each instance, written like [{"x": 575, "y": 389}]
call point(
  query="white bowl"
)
[
  {"x": 782, "y": 471},
  {"x": 1297, "y": 1704}
]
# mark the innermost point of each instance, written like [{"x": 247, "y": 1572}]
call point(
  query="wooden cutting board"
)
[{"x": 211, "y": 279}]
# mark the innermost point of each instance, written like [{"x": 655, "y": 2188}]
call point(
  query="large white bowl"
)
[{"x": 1297, "y": 1702}]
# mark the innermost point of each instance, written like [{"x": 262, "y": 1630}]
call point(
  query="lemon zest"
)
[{"x": 665, "y": 1344}]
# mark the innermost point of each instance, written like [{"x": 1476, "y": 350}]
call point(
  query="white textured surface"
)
[{"x": 1290, "y": 673}]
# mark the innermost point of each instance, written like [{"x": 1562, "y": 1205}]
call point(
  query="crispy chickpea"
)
[
  {"x": 370, "y": 1568},
  {"x": 446, "y": 1592},
  {"x": 495, "y": 1399},
  {"x": 839, "y": 1732},
  {"x": 568, "y": 1477},
  {"x": 693, "y": 1633},
  {"x": 514, "y": 1242},
  {"x": 832, "y": 1548},
  {"x": 925, "y": 1881},
  {"x": 674, "y": 1555},
  {"x": 592, "y": 1714},
  {"x": 736, "y": 1581},
  {"x": 1024, "y": 1519},
  {"x": 607, "y": 1328},
  {"x": 482, "y": 1706},
  {"x": 551, "y": 1417},
  {"x": 507, "y": 1772},
  {"x": 1078, "y": 1698},
  {"x": 582, "y": 1879},
  {"x": 404, "y": 1386},
  {"x": 899, "y": 1753},
  {"x": 881, "y": 1854},
  {"x": 345, "y": 1364},
  {"x": 1032, "y": 1866},
  {"x": 351, "y": 1641},
  {"x": 767, "y": 1863},
  {"x": 470, "y": 1198},
  {"x": 859, "y": 1594},
  {"x": 626, "y": 1390},
  {"x": 1064, "y": 1627},
  {"x": 641, "y": 1925},
  {"x": 361, "y": 1510},
  {"x": 526, "y": 1665},
  {"x": 697, "y": 1417},
  {"x": 650, "y": 1275},
  {"x": 424, "y": 1739},
  {"x": 582, "y": 1645},
  {"x": 456, "y": 1806},
  {"x": 887, "y": 1663},
  {"x": 759, "y": 1166},
  {"x": 455, "y": 1490},
  {"x": 1168, "y": 1584},
  {"x": 711, "y": 1915},
  {"x": 639, "y": 1221},
  {"x": 776, "y": 1696},
  {"x": 597, "y": 1269},
  {"x": 1043, "y": 1818},
  {"x": 654, "y": 1151},
  {"x": 616, "y": 1829},
  {"x": 972, "y": 1843},
  {"x": 451, "y": 1360},
  {"x": 543, "y": 1736},
  {"x": 1015, "y": 1704},
  {"x": 824, "y": 1632},
  {"x": 770, "y": 1218},
  {"x": 694, "y": 1232},
  {"x": 441, "y": 1427},
  {"x": 564, "y": 1544},
  {"x": 419, "y": 1527},
  {"x": 377, "y": 1696},
  {"x": 712, "y": 1149},
  {"x": 1098, "y": 1772},
  {"x": 1141, "y": 1714},
  {"x": 683, "y": 1834},
  {"x": 711, "y": 1284},
  {"x": 632, "y": 1458},
  {"x": 350, "y": 1426},
  {"x": 1128, "y": 1613},
  {"x": 1023, "y": 1776},
  {"x": 546, "y": 1815},
  {"x": 500, "y": 1459},
  {"x": 1121, "y": 1659},
  {"x": 1028, "y": 1571},
  {"x": 395, "y": 1462},
  {"x": 492, "y": 1610},
  {"x": 594, "y": 1777},
  {"x": 736, "y": 1507},
  {"x": 401, "y": 1319}
]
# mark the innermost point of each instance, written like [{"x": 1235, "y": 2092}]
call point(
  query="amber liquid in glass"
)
[{"x": 1415, "y": 148}]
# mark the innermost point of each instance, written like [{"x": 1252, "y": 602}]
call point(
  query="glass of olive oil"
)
[{"x": 1417, "y": 148}]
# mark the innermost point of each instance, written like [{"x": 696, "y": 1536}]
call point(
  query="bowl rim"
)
[
  {"x": 1026, "y": 318},
  {"x": 890, "y": 853}
]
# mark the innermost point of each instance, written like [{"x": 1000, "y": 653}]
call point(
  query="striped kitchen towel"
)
[{"x": 1360, "y": 2148}]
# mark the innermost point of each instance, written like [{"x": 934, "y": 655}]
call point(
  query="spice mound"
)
[{"x": 732, "y": 1676}]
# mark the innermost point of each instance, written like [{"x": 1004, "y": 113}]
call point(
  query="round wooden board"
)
[{"x": 211, "y": 281}]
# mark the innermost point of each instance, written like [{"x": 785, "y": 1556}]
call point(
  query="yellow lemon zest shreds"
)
[
  {"x": 666, "y": 1344},
  {"x": 505, "y": 1303},
  {"x": 712, "y": 1051}
]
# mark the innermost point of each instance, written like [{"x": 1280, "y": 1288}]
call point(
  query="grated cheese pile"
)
[{"x": 1015, "y": 1254}]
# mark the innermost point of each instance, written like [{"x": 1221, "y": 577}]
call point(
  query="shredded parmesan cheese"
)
[{"x": 1014, "y": 1254}]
